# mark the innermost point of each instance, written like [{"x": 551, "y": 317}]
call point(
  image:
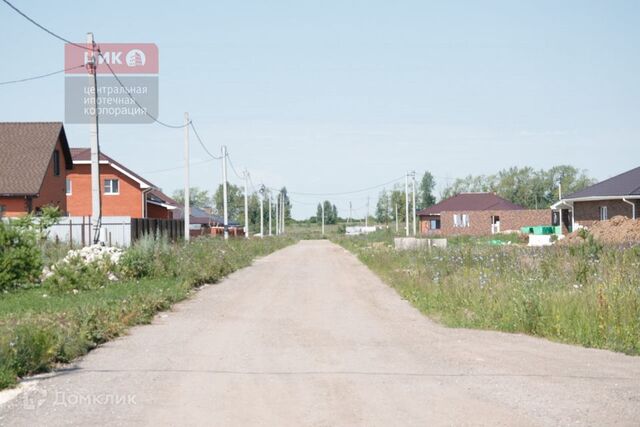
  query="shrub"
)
[
  {"x": 76, "y": 274},
  {"x": 20, "y": 258}
]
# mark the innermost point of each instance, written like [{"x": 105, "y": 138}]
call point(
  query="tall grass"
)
[
  {"x": 41, "y": 326},
  {"x": 587, "y": 294}
]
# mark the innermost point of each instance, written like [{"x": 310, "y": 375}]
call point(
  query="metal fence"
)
[{"x": 119, "y": 230}]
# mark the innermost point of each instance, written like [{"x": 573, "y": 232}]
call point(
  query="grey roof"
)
[
  {"x": 625, "y": 184},
  {"x": 25, "y": 153}
]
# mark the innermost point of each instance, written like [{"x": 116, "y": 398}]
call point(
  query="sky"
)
[{"x": 335, "y": 96}]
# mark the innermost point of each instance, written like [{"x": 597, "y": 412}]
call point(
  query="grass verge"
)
[
  {"x": 587, "y": 294},
  {"x": 41, "y": 326}
]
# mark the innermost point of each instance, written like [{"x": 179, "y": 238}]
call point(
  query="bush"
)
[
  {"x": 20, "y": 258},
  {"x": 77, "y": 274}
]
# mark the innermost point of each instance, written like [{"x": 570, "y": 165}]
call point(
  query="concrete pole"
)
[
  {"x": 224, "y": 193},
  {"x": 270, "y": 206},
  {"x": 261, "y": 213},
  {"x": 96, "y": 205},
  {"x": 413, "y": 205},
  {"x": 187, "y": 195},
  {"x": 246, "y": 205},
  {"x": 322, "y": 204},
  {"x": 277, "y": 218},
  {"x": 406, "y": 204},
  {"x": 397, "y": 225},
  {"x": 283, "y": 213},
  {"x": 366, "y": 217}
]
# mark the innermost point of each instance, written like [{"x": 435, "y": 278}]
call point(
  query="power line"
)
[
  {"x": 347, "y": 192},
  {"x": 202, "y": 143},
  {"x": 155, "y": 119},
  {"x": 233, "y": 168},
  {"x": 177, "y": 167},
  {"x": 40, "y": 76},
  {"x": 43, "y": 28}
]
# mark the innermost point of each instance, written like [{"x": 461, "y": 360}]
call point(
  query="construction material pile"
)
[{"x": 617, "y": 230}]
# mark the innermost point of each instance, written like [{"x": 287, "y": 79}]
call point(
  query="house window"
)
[
  {"x": 434, "y": 224},
  {"x": 3, "y": 208},
  {"x": 604, "y": 215},
  {"x": 111, "y": 186},
  {"x": 460, "y": 220},
  {"x": 68, "y": 186},
  {"x": 56, "y": 163}
]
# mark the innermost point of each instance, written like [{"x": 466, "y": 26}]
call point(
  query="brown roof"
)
[
  {"x": 155, "y": 195},
  {"x": 25, "y": 153},
  {"x": 470, "y": 202},
  {"x": 84, "y": 155}
]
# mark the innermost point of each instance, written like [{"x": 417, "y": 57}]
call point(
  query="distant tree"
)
[
  {"x": 197, "y": 198},
  {"x": 330, "y": 212},
  {"x": 524, "y": 186},
  {"x": 235, "y": 202},
  {"x": 425, "y": 191},
  {"x": 383, "y": 207}
]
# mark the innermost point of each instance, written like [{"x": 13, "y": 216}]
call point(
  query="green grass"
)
[
  {"x": 587, "y": 295},
  {"x": 41, "y": 326}
]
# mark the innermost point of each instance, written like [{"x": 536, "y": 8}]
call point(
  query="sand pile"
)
[{"x": 618, "y": 229}]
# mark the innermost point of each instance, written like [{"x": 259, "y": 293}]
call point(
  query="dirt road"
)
[{"x": 309, "y": 336}]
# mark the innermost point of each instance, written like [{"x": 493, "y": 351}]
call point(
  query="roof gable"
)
[
  {"x": 25, "y": 153},
  {"x": 471, "y": 202},
  {"x": 83, "y": 156},
  {"x": 625, "y": 184}
]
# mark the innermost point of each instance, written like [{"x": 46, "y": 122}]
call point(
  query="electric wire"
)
[
  {"x": 202, "y": 143},
  {"x": 42, "y": 76},
  {"x": 43, "y": 28},
  {"x": 155, "y": 119}
]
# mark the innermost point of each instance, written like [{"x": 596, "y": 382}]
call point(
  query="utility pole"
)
[
  {"x": 413, "y": 205},
  {"x": 270, "y": 206},
  {"x": 350, "y": 209},
  {"x": 186, "y": 213},
  {"x": 406, "y": 204},
  {"x": 322, "y": 204},
  {"x": 224, "y": 192},
  {"x": 283, "y": 213},
  {"x": 246, "y": 205},
  {"x": 96, "y": 208},
  {"x": 366, "y": 218},
  {"x": 397, "y": 229},
  {"x": 262, "y": 212},
  {"x": 277, "y": 214}
]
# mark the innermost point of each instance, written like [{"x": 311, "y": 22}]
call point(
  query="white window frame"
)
[
  {"x": 604, "y": 213},
  {"x": 68, "y": 187},
  {"x": 110, "y": 181}
]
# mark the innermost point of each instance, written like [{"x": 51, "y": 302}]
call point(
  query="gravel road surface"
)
[{"x": 309, "y": 336}]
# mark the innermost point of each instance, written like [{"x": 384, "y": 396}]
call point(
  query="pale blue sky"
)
[{"x": 338, "y": 95}]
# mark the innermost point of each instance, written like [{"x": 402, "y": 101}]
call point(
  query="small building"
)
[
  {"x": 34, "y": 163},
  {"x": 478, "y": 214},
  {"x": 203, "y": 222},
  {"x": 619, "y": 195},
  {"x": 123, "y": 192}
]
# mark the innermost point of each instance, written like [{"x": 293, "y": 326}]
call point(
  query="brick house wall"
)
[
  {"x": 586, "y": 213},
  {"x": 128, "y": 202},
  {"x": 52, "y": 191},
  {"x": 480, "y": 221}
]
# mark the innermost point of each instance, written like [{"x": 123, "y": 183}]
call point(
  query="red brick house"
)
[
  {"x": 34, "y": 163},
  {"x": 123, "y": 192},
  {"x": 619, "y": 195},
  {"x": 478, "y": 214}
]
